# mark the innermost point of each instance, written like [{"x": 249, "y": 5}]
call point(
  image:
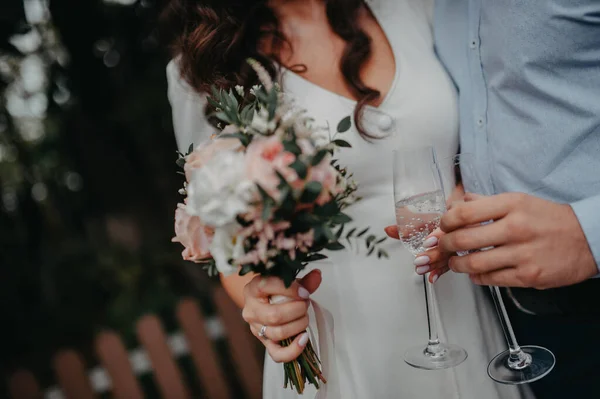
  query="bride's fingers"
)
[
  {"x": 284, "y": 354},
  {"x": 284, "y": 331},
  {"x": 436, "y": 274},
  {"x": 392, "y": 232},
  {"x": 433, "y": 259}
]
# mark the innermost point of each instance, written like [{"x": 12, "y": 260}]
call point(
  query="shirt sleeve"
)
[
  {"x": 187, "y": 106},
  {"x": 588, "y": 214}
]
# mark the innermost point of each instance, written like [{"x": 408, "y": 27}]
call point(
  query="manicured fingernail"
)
[
  {"x": 303, "y": 340},
  {"x": 303, "y": 293},
  {"x": 422, "y": 260},
  {"x": 434, "y": 278},
  {"x": 423, "y": 269},
  {"x": 430, "y": 242}
]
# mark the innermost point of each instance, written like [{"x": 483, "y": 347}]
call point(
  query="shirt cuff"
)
[{"x": 588, "y": 214}]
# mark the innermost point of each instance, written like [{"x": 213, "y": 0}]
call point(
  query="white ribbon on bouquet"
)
[{"x": 321, "y": 324}]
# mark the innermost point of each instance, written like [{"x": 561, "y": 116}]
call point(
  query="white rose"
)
[
  {"x": 226, "y": 246},
  {"x": 219, "y": 191}
]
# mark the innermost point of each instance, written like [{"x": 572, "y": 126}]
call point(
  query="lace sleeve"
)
[{"x": 189, "y": 121}]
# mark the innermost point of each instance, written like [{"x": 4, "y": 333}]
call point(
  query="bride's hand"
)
[
  {"x": 280, "y": 321},
  {"x": 433, "y": 260}
]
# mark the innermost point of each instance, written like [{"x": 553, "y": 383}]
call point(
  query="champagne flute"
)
[
  {"x": 518, "y": 364},
  {"x": 420, "y": 202}
]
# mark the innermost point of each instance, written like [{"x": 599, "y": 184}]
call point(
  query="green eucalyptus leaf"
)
[
  {"x": 308, "y": 219},
  {"x": 342, "y": 143},
  {"x": 300, "y": 168},
  {"x": 263, "y": 193},
  {"x": 341, "y": 218},
  {"x": 335, "y": 246},
  {"x": 224, "y": 117},
  {"x": 319, "y": 233},
  {"x": 340, "y": 231},
  {"x": 214, "y": 103},
  {"x": 328, "y": 233},
  {"x": 370, "y": 240},
  {"x": 351, "y": 232},
  {"x": 272, "y": 103},
  {"x": 247, "y": 114},
  {"x": 286, "y": 272},
  {"x": 292, "y": 147},
  {"x": 267, "y": 210},
  {"x": 311, "y": 192},
  {"x": 344, "y": 125},
  {"x": 328, "y": 210},
  {"x": 315, "y": 257},
  {"x": 216, "y": 95},
  {"x": 318, "y": 157},
  {"x": 362, "y": 232},
  {"x": 233, "y": 100}
]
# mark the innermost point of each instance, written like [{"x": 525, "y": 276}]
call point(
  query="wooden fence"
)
[{"x": 119, "y": 368}]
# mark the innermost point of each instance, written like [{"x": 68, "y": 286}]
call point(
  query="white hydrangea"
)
[
  {"x": 261, "y": 123},
  {"x": 220, "y": 190},
  {"x": 226, "y": 246}
]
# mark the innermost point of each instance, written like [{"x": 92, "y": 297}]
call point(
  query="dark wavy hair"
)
[{"x": 214, "y": 38}]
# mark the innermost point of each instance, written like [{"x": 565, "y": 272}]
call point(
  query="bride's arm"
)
[{"x": 192, "y": 127}]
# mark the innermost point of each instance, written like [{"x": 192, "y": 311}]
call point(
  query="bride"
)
[{"x": 374, "y": 60}]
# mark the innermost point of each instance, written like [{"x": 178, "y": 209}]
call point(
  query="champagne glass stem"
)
[
  {"x": 517, "y": 359},
  {"x": 433, "y": 346}
]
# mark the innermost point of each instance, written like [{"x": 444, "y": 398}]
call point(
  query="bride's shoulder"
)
[{"x": 177, "y": 86}]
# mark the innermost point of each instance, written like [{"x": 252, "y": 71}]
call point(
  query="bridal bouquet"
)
[{"x": 266, "y": 196}]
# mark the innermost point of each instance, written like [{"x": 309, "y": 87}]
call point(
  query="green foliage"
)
[{"x": 344, "y": 125}]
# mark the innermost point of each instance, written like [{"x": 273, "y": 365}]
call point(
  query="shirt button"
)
[
  {"x": 385, "y": 122},
  {"x": 480, "y": 122},
  {"x": 473, "y": 44}
]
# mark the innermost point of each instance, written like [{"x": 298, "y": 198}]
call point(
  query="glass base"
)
[
  {"x": 435, "y": 357},
  {"x": 534, "y": 363}
]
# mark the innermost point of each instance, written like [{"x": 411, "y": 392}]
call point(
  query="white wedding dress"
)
[{"x": 376, "y": 308}]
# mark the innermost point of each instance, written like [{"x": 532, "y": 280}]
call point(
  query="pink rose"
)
[
  {"x": 265, "y": 157},
  {"x": 192, "y": 234},
  {"x": 327, "y": 175},
  {"x": 206, "y": 151}
]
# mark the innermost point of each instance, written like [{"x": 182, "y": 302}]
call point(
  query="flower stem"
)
[{"x": 306, "y": 368}]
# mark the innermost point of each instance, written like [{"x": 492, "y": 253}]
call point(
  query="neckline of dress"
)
[{"x": 352, "y": 101}]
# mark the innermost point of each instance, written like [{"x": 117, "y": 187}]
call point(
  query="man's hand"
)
[{"x": 537, "y": 243}]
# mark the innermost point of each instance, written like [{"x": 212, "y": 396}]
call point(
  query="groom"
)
[{"x": 528, "y": 75}]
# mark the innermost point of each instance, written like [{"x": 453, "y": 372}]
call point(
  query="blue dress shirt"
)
[{"x": 528, "y": 74}]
